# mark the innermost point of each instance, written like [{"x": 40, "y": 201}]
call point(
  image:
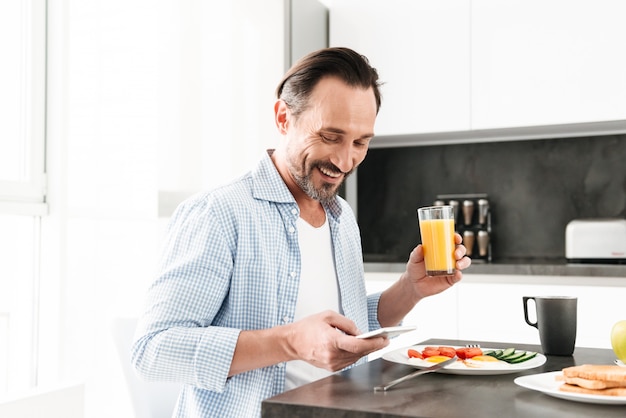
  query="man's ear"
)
[{"x": 281, "y": 112}]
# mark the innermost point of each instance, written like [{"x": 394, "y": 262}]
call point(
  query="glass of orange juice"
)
[{"x": 437, "y": 231}]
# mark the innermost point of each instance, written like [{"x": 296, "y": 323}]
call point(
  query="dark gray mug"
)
[{"x": 556, "y": 322}]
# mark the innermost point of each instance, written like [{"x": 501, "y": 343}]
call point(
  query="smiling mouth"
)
[{"x": 330, "y": 173}]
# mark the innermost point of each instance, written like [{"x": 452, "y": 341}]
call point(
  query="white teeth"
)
[{"x": 329, "y": 173}]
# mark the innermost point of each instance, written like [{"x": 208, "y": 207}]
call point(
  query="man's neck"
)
[{"x": 312, "y": 212}]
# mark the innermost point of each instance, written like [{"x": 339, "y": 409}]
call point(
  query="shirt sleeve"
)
[
  {"x": 176, "y": 339},
  {"x": 372, "y": 310}
]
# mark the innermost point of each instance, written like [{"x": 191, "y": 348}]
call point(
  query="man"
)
[{"x": 261, "y": 286}]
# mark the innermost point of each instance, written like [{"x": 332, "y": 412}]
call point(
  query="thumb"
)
[
  {"x": 344, "y": 324},
  {"x": 417, "y": 255}
]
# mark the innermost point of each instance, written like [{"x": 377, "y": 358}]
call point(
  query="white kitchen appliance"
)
[{"x": 596, "y": 241}]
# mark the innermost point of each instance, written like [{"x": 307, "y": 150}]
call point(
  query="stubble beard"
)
[{"x": 324, "y": 194}]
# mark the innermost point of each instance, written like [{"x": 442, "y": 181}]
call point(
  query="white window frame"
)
[{"x": 28, "y": 196}]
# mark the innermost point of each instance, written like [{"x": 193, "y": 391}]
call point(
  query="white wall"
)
[{"x": 144, "y": 96}]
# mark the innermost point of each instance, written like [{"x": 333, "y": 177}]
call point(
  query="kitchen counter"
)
[
  {"x": 350, "y": 394},
  {"x": 532, "y": 267}
]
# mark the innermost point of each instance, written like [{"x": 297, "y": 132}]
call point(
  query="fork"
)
[{"x": 415, "y": 374}]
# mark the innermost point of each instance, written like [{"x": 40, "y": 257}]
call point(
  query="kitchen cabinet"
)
[
  {"x": 421, "y": 51},
  {"x": 486, "y": 64},
  {"x": 545, "y": 63},
  {"x": 489, "y": 307},
  {"x": 495, "y": 311}
]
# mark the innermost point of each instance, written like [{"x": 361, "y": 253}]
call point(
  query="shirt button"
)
[
  {"x": 280, "y": 365},
  {"x": 292, "y": 229},
  {"x": 293, "y": 274},
  {"x": 294, "y": 211},
  {"x": 286, "y": 319}
]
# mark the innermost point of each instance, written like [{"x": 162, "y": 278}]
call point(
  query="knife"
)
[{"x": 415, "y": 374}]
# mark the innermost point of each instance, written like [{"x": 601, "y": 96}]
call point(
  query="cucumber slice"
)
[
  {"x": 510, "y": 355},
  {"x": 527, "y": 356},
  {"x": 514, "y": 356},
  {"x": 507, "y": 352},
  {"x": 495, "y": 354}
]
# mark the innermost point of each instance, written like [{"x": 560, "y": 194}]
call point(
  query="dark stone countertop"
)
[{"x": 350, "y": 394}]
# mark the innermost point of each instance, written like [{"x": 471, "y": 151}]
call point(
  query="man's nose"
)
[{"x": 343, "y": 158}]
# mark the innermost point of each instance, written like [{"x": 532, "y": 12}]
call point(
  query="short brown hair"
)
[{"x": 351, "y": 67}]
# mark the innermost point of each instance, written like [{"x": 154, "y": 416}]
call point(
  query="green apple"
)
[{"x": 618, "y": 340}]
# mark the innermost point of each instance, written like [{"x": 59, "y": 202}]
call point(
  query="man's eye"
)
[
  {"x": 329, "y": 138},
  {"x": 362, "y": 142}
]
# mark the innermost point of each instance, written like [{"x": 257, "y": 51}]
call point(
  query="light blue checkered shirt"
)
[{"x": 232, "y": 262}]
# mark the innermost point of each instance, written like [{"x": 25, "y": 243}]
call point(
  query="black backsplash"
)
[{"x": 535, "y": 188}]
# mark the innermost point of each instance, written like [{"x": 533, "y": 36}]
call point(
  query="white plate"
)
[
  {"x": 501, "y": 367},
  {"x": 547, "y": 383}
]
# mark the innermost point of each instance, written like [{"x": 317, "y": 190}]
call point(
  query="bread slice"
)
[
  {"x": 593, "y": 384},
  {"x": 565, "y": 387},
  {"x": 594, "y": 379},
  {"x": 612, "y": 373}
]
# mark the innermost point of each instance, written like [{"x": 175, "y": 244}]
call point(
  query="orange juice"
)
[{"x": 438, "y": 242}]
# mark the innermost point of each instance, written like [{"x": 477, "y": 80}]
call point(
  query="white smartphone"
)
[{"x": 387, "y": 332}]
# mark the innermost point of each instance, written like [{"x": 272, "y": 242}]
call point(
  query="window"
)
[
  {"x": 22, "y": 106},
  {"x": 22, "y": 185}
]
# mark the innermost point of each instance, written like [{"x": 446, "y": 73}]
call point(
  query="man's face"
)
[{"x": 330, "y": 138}]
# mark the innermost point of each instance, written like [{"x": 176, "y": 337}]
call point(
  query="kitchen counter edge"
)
[{"x": 527, "y": 268}]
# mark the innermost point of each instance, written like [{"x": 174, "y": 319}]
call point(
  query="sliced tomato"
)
[
  {"x": 430, "y": 351},
  {"x": 468, "y": 352},
  {"x": 461, "y": 353},
  {"x": 414, "y": 354},
  {"x": 473, "y": 352},
  {"x": 447, "y": 351}
]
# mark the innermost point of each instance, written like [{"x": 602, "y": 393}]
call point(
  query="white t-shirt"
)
[{"x": 318, "y": 291}]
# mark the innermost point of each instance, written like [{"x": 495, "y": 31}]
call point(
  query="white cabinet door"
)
[
  {"x": 421, "y": 50},
  {"x": 490, "y": 308},
  {"x": 494, "y": 311},
  {"x": 547, "y": 62}
]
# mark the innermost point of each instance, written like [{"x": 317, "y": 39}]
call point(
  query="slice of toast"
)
[
  {"x": 612, "y": 373},
  {"x": 565, "y": 387},
  {"x": 593, "y": 384}
]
